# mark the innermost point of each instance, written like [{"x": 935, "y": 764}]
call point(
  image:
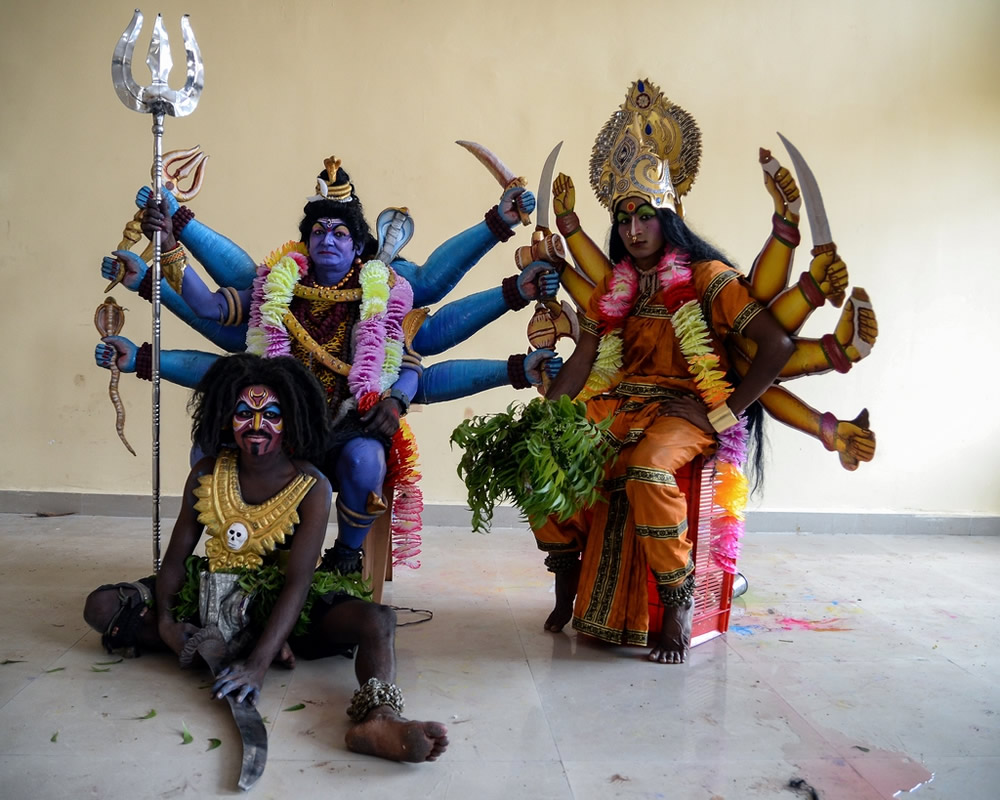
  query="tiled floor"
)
[{"x": 860, "y": 665}]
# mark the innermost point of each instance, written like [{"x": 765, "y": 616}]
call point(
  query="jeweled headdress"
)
[
  {"x": 328, "y": 188},
  {"x": 649, "y": 148}
]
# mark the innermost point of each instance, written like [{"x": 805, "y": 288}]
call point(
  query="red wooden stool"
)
[{"x": 713, "y": 598}]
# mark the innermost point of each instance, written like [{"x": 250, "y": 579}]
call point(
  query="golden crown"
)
[{"x": 650, "y": 148}]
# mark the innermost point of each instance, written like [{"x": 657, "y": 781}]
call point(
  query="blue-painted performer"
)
[{"x": 349, "y": 316}]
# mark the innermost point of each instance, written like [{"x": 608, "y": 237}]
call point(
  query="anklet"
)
[
  {"x": 679, "y": 595},
  {"x": 561, "y": 562},
  {"x": 373, "y": 694}
]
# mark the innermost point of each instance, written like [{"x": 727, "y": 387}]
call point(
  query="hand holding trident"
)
[{"x": 157, "y": 99}]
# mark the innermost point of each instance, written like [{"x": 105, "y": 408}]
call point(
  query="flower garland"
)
[
  {"x": 377, "y": 348},
  {"x": 377, "y": 339},
  {"x": 695, "y": 341}
]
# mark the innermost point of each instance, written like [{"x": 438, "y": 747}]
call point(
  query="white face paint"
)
[{"x": 237, "y": 536}]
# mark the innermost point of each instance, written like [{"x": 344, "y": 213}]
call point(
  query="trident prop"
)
[{"x": 157, "y": 99}]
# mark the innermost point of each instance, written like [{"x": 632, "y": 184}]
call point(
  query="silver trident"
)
[{"x": 157, "y": 99}]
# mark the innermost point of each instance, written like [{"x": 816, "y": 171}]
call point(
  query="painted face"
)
[
  {"x": 257, "y": 424},
  {"x": 331, "y": 248},
  {"x": 640, "y": 231}
]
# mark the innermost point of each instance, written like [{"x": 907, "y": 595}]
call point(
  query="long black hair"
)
[
  {"x": 677, "y": 234},
  {"x": 305, "y": 418},
  {"x": 352, "y": 213}
]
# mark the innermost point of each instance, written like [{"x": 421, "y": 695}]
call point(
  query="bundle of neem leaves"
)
[{"x": 546, "y": 457}]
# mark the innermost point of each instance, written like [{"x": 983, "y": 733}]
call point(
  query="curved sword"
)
[
  {"x": 818, "y": 223},
  {"x": 819, "y": 226},
  {"x": 499, "y": 170},
  {"x": 543, "y": 197}
]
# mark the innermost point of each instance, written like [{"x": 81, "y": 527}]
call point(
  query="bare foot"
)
[
  {"x": 285, "y": 657},
  {"x": 566, "y": 583},
  {"x": 387, "y": 735},
  {"x": 675, "y": 635}
]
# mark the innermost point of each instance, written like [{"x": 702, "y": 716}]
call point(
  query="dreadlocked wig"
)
[{"x": 303, "y": 403}]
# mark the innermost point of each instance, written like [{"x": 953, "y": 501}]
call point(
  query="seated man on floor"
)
[{"x": 264, "y": 508}]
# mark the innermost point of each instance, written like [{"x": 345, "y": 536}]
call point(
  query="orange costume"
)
[{"x": 644, "y": 521}]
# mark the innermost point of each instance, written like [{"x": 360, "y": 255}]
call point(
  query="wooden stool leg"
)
[{"x": 377, "y": 549}]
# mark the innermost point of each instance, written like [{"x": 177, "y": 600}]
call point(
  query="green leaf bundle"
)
[{"x": 546, "y": 457}]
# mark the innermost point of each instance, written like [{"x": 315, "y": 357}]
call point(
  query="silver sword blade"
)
[
  {"x": 249, "y": 723},
  {"x": 543, "y": 197},
  {"x": 818, "y": 223}
]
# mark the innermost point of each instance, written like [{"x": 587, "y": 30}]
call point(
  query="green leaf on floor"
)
[
  {"x": 54, "y": 669},
  {"x": 12, "y": 661},
  {"x": 186, "y": 735},
  {"x": 100, "y": 669},
  {"x": 265, "y": 720},
  {"x": 105, "y": 663},
  {"x": 54, "y": 736},
  {"x": 213, "y": 743},
  {"x": 150, "y": 715},
  {"x": 296, "y": 707}
]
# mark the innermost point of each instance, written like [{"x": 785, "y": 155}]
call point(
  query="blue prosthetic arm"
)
[
  {"x": 446, "y": 266},
  {"x": 230, "y": 338},
  {"x": 450, "y": 380},
  {"x": 225, "y": 261},
  {"x": 458, "y": 320},
  {"x": 183, "y": 367}
]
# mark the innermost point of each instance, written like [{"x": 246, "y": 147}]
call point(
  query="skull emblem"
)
[{"x": 236, "y": 536}]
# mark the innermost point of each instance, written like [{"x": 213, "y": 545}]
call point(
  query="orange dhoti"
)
[{"x": 642, "y": 524}]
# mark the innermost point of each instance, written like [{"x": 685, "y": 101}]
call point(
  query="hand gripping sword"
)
[
  {"x": 157, "y": 99},
  {"x": 819, "y": 225}
]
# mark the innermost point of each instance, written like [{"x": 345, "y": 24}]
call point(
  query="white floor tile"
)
[{"x": 861, "y": 665}]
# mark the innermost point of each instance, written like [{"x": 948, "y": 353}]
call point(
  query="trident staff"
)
[{"x": 157, "y": 99}]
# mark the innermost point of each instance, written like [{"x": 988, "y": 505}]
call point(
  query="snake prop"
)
[{"x": 109, "y": 319}]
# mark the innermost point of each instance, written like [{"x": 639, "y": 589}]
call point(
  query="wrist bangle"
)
[
  {"x": 810, "y": 290},
  {"x": 515, "y": 371},
  {"x": 568, "y": 223},
  {"x": 496, "y": 225},
  {"x": 828, "y": 431},
  {"x": 400, "y": 397},
  {"x": 722, "y": 418},
  {"x": 835, "y": 353},
  {"x": 785, "y": 232},
  {"x": 172, "y": 264},
  {"x": 182, "y": 216},
  {"x": 144, "y": 362},
  {"x": 511, "y": 296}
]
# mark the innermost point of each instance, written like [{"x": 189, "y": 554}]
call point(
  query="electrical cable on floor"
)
[{"x": 427, "y": 611}]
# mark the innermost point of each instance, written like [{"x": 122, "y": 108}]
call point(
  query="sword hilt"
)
[
  {"x": 830, "y": 247},
  {"x": 515, "y": 184}
]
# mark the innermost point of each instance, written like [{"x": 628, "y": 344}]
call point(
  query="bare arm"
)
[
  {"x": 183, "y": 539},
  {"x": 573, "y": 376},
  {"x": 774, "y": 348}
]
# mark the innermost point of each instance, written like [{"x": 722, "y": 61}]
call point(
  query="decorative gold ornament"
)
[
  {"x": 650, "y": 148},
  {"x": 239, "y": 534},
  {"x": 331, "y": 190}
]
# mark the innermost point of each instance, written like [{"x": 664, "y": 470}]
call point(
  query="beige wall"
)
[{"x": 894, "y": 104}]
